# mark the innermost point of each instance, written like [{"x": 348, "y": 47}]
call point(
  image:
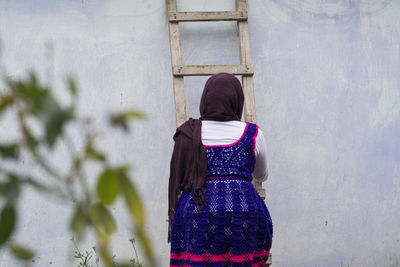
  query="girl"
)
[{"x": 219, "y": 219}]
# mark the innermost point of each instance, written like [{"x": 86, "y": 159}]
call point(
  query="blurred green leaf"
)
[
  {"x": 11, "y": 188},
  {"x": 5, "y": 101},
  {"x": 132, "y": 198},
  {"x": 54, "y": 119},
  {"x": 35, "y": 101},
  {"x": 21, "y": 252},
  {"x": 30, "y": 92},
  {"x": 72, "y": 86},
  {"x": 131, "y": 113},
  {"x": 79, "y": 222},
  {"x": 107, "y": 185},
  {"x": 102, "y": 218},
  {"x": 7, "y": 223},
  {"x": 119, "y": 122},
  {"x": 92, "y": 153},
  {"x": 39, "y": 102},
  {"x": 76, "y": 164},
  {"x": 10, "y": 151},
  {"x": 2, "y": 189},
  {"x": 104, "y": 250},
  {"x": 121, "y": 119},
  {"x": 31, "y": 141}
]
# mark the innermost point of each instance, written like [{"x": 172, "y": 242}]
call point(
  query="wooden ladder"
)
[{"x": 245, "y": 68}]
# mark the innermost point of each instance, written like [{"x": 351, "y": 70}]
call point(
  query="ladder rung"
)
[
  {"x": 207, "y": 16},
  {"x": 204, "y": 70}
]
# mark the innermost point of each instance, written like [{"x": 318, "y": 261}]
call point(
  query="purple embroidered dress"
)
[{"x": 234, "y": 227}]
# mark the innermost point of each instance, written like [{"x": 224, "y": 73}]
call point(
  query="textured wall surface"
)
[{"x": 327, "y": 89}]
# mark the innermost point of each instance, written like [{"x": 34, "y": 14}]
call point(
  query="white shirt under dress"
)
[{"x": 228, "y": 132}]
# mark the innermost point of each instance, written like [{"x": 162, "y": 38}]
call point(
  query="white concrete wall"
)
[{"x": 328, "y": 100}]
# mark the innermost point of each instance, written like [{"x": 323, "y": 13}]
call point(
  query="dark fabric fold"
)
[{"x": 222, "y": 100}]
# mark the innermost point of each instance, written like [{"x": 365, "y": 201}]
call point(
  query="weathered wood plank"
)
[
  {"x": 247, "y": 81},
  {"x": 207, "y": 16},
  {"x": 249, "y": 102},
  {"x": 245, "y": 59},
  {"x": 243, "y": 33},
  {"x": 204, "y": 70},
  {"x": 176, "y": 59},
  {"x": 180, "y": 101}
]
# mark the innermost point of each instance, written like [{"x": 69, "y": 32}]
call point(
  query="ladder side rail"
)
[
  {"x": 247, "y": 81},
  {"x": 176, "y": 59},
  {"x": 245, "y": 59},
  {"x": 248, "y": 85}
]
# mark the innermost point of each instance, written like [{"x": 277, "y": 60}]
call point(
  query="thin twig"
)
[{"x": 81, "y": 178}]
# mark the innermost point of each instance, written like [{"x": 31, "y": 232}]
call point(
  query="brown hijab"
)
[{"x": 222, "y": 100}]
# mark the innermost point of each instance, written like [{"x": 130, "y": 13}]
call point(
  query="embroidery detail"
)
[{"x": 235, "y": 159}]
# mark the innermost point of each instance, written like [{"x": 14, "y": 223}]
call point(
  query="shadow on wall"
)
[{"x": 328, "y": 15}]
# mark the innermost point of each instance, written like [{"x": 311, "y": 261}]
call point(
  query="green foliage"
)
[
  {"x": 22, "y": 252},
  {"x": 131, "y": 198},
  {"x": 92, "y": 153},
  {"x": 107, "y": 186},
  {"x": 116, "y": 180},
  {"x": 7, "y": 223},
  {"x": 31, "y": 101},
  {"x": 5, "y": 101},
  {"x": 89, "y": 258},
  {"x": 73, "y": 88},
  {"x": 36, "y": 100},
  {"x": 55, "y": 120},
  {"x": 102, "y": 218},
  {"x": 120, "y": 119},
  {"x": 9, "y": 151},
  {"x": 10, "y": 188},
  {"x": 79, "y": 222},
  {"x": 86, "y": 258}
]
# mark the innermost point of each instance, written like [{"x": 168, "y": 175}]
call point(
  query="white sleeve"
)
[{"x": 260, "y": 173}]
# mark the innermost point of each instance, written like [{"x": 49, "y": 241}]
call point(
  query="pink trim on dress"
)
[
  {"x": 256, "y": 264},
  {"x": 220, "y": 258},
  {"x": 259, "y": 264},
  {"x": 254, "y": 142},
  {"x": 234, "y": 143},
  {"x": 220, "y": 177}
]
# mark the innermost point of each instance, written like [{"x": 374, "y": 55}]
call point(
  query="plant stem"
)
[
  {"x": 134, "y": 248},
  {"x": 81, "y": 176}
]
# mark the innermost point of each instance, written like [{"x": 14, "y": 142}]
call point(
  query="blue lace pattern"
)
[
  {"x": 234, "y": 227},
  {"x": 237, "y": 159}
]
